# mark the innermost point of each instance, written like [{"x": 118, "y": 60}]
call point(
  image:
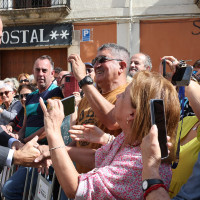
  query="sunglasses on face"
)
[
  {"x": 25, "y": 80},
  {"x": 6, "y": 93},
  {"x": 102, "y": 59},
  {"x": 89, "y": 70},
  {"x": 21, "y": 96}
]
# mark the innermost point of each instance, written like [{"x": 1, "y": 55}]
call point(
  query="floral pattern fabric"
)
[{"x": 118, "y": 173}]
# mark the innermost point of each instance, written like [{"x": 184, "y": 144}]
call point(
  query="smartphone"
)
[
  {"x": 69, "y": 105},
  {"x": 182, "y": 76},
  {"x": 158, "y": 118},
  {"x": 164, "y": 67},
  {"x": 70, "y": 86}
]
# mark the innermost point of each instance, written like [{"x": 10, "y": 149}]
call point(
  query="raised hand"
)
[
  {"x": 172, "y": 62},
  {"x": 79, "y": 68},
  {"x": 89, "y": 133},
  {"x": 53, "y": 116}
]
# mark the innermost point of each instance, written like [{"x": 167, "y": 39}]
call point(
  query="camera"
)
[{"x": 182, "y": 75}]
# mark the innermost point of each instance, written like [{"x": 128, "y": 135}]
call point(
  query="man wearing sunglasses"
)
[{"x": 110, "y": 75}]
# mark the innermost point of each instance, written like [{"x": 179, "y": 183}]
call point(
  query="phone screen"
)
[
  {"x": 69, "y": 105},
  {"x": 158, "y": 118}
]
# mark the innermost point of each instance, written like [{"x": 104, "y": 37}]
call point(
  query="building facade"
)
[{"x": 61, "y": 27}]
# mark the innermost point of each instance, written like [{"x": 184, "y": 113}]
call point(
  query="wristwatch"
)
[
  {"x": 149, "y": 182},
  {"x": 85, "y": 81}
]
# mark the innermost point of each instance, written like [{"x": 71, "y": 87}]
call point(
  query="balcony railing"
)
[
  {"x": 23, "y": 4},
  {"x": 197, "y": 2}
]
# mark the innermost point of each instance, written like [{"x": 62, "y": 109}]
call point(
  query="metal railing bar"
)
[
  {"x": 27, "y": 193},
  {"x": 30, "y": 187},
  {"x": 26, "y": 182},
  {"x": 59, "y": 193}
]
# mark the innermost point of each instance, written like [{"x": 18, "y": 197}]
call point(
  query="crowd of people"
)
[{"x": 107, "y": 148}]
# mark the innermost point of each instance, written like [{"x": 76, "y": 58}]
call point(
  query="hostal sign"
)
[{"x": 37, "y": 35}]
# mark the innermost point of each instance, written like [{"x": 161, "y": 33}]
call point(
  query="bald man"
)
[{"x": 139, "y": 62}]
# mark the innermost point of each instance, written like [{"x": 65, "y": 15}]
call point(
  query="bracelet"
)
[
  {"x": 153, "y": 187},
  {"x": 56, "y": 148}
]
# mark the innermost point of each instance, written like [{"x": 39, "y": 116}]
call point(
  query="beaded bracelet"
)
[
  {"x": 56, "y": 148},
  {"x": 153, "y": 187}
]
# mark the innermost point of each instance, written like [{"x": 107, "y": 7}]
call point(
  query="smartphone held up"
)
[
  {"x": 158, "y": 117},
  {"x": 69, "y": 105},
  {"x": 71, "y": 85}
]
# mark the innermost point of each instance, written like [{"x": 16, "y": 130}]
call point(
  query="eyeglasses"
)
[
  {"x": 62, "y": 86},
  {"x": 89, "y": 70},
  {"x": 6, "y": 93},
  {"x": 21, "y": 96},
  {"x": 102, "y": 59},
  {"x": 25, "y": 80}
]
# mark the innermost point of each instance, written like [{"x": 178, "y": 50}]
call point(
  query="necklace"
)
[{"x": 195, "y": 128}]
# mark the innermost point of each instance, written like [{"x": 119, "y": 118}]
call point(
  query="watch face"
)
[
  {"x": 88, "y": 79},
  {"x": 144, "y": 185}
]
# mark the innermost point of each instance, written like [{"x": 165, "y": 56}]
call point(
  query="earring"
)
[{"x": 127, "y": 120}]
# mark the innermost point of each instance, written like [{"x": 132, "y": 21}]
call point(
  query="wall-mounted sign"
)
[
  {"x": 37, "y": 35},
  {"x": 85, "y": 35},
  {"x": 197, "y": 25}
]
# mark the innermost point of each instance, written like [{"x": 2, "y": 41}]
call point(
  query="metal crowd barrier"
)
[{"x": 43, "y": 190}]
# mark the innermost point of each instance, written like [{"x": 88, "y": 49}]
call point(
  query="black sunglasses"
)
[
  {"x": 102, "y": 59},
  {"x": 25, "y": 80},
  {"x": 21, "y": 96},
  {"x": 6, "y": 93},
  {"x": 89, "y": 70}
]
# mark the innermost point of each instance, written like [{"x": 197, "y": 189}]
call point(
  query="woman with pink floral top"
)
[{"x": 117, "y": 172}]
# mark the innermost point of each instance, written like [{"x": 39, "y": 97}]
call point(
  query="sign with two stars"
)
[{"x": 37, "y": 35}]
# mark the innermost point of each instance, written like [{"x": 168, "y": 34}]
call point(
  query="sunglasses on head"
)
[
  {"x": 89, "y": 70},
  {"x": 6, "y": 93},
  {"x": 21, "y": 96},
  {"x": 24, "y": 80},
  {"x": 102, "y": 59}
]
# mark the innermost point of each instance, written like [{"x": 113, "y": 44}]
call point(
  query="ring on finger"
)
[{"x": 50, "y": 108}]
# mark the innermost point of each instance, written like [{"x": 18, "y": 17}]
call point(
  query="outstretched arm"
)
[
  {"x": 90, "y": 133},
  {"x": 151, "y": 158},
  {"x": 68, "y": 176}
]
